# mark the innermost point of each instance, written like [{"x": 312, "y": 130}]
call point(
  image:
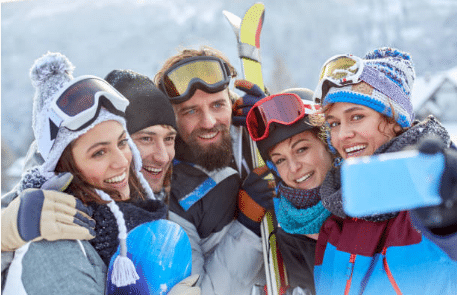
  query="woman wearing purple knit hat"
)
[{"x": 367, "y": 104}]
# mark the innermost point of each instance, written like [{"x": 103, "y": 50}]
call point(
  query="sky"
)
[{"x": 102, "y": 35}]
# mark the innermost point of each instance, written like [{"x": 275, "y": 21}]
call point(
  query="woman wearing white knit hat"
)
[{"x": 79, "y": 128}]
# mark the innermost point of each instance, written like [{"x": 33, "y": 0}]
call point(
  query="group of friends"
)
[{"x": 111, "y": 154}]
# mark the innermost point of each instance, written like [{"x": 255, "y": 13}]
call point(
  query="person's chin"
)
[
  {"x": 156, "y": 186},
  {"x": 125, "y": 193}
]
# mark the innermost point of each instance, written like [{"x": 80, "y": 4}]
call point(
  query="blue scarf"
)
[{"x": 300, "y": 221}]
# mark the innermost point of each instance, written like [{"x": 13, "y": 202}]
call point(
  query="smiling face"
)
[
  {"x": 157, "y": 148},
  {"x": 357, "y": 130},
  {"x": 202, "y": 117},
  {"x": 302, "y": 160},
  {"x": 204, "y": 125},
  {"x": 103, "y": 157}
]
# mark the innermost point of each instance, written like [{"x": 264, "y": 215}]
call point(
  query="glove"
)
[
  {"x": 255, "y": 197},
  {"x": 38, "y": 214},
  {"x": 441, "y": 219},
  {"x": 186, "y": 287},
  {"x": 243, "y": 104}
]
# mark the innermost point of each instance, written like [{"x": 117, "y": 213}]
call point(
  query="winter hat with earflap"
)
[
  {"x": 52, "y": 77},
  {"x": 388, "y": 77},
  {"x": 148, "y": 105}
]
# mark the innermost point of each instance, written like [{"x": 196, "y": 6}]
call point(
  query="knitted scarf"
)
[
  {"x": 331, "y": 187},
  {"x": 106, "y": 229},
  {"x": 306, "y": 219}
]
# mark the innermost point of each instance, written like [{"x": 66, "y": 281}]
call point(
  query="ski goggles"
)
[
  {"x": 283, "y": 108},
  {"x": 78, "y": 104},
  {"x": 208, "y": 73},
  {"x": 338, "y": 71}
]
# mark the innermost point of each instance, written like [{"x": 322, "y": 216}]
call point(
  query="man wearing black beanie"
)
[{"x": 151, "y": 124}]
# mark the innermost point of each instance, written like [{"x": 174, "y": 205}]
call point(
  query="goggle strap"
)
[
  {"x": 51, "y": 128},
  {"x": 55, "y": 119},
  {"x": 169, "y": 83},
  {"x": 249, "y": 51}
]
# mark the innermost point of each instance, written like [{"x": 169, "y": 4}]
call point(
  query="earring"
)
[{"x": 337, "y": 162}]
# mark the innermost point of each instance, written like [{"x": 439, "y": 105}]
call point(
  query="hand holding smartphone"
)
[{"x": 391, "y": 182}]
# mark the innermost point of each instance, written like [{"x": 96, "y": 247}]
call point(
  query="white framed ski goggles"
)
[
  {"x": 208, "y": 73},
  {"x": 338, "y": 71},
  {"x": 78, "y": 105}
]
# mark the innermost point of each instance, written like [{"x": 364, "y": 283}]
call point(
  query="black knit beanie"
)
[{"x": 148, "y": 105}]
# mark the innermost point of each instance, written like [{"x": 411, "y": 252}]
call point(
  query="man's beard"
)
[{"x": 213, "y": 156}]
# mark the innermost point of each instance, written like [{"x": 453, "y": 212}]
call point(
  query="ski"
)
[{"x": 247, "y": 32}]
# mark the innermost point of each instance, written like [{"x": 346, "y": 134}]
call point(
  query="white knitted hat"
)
[{"x": 51, "y": 74}]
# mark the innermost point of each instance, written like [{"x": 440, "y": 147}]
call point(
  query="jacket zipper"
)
[
  {"x": 349, "y": 280},
  {"x": 388, "y": 272}
]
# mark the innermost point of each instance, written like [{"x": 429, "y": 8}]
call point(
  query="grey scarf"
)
[{"x": 331, "y": 187}]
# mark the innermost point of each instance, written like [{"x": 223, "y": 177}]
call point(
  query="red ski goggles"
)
[
  {"x": 338, "y": 71},
  {"x": 283, "y": 108},
  {"x": 208, "y": 73}
]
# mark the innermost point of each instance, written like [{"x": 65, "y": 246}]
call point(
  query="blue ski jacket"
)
[{"x": 355, "y": 256}]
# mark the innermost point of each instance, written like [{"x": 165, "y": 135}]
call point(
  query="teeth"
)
[
  {"x": 304, "y": 177},
  {"x": 117, "y": 178},
  {"x": 355, "y": 148},
  {"x": 208, "y": 135},
  {"x": 153, "y": 170}
]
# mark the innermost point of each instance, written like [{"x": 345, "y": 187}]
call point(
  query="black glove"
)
[
  {"x": 243, "y": 104},
  {"x": 441, "y": 219},
  {"x": 255, "y": 197}
]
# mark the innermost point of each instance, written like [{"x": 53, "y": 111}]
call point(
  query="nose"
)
[
  {"x": 294, "y": 166},
  {"x": 345, "y": 132},
  {"x": 121, "y": 159},
  {"x": 207, "y": 120},
  {"x": 160, "y": 154}
]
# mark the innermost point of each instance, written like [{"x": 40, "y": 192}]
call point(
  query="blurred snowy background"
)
[{"x": 297, "y": 37}]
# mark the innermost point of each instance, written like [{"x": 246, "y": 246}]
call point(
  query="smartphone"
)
[{"x": 391, "y": 182}]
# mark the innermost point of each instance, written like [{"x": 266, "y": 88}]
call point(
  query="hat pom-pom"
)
[
  {"x": 49, "y": 65},
  {"x": 387, "y": 52}
]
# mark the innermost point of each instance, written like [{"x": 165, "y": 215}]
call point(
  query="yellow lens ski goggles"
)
[
  {"x": 337, "y": 71},
  {"x": 208, "y": 73}
]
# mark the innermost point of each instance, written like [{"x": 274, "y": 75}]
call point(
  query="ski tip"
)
[
  {"x": 233, "y": 19},
  {"x": 258, "y": 6}
]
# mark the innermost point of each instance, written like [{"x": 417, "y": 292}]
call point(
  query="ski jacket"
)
[
  {"x": 64, "y": 267},
  {"x": 298, "y": 254},
  {"x": 381, "y": 253},
  {"x": 355, "y": 256},
  {"x": 292, "y": 221},
  {"x": 72, "y": 266},
  {"x": 226, "y": 254},
  {"x": 76, "y": 267}
]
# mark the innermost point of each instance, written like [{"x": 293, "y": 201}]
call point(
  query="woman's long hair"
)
[{"x": 83, "y": 190}]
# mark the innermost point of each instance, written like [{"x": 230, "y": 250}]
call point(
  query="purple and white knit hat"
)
[{"x": 390, "y": 73}]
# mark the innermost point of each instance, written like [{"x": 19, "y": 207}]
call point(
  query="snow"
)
[
  {"x": 99, "y": 36},
  {"x": 452, "y": 129}
]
